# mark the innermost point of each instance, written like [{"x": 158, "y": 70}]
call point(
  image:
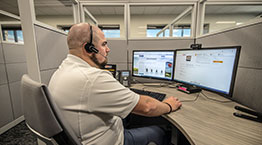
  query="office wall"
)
[
  {"x": 247, "y": 90},
  {"x": 51, "y": 48}
]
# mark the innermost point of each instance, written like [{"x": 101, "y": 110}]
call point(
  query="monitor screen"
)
[
  {"x": 212, "y": 69},
  {"x": 157, "y": 64}
]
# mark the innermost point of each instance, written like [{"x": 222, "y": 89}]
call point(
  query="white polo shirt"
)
[{"x": 92, "y": 101}]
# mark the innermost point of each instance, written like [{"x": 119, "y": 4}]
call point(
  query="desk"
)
[{"x": 206, "y": 122}]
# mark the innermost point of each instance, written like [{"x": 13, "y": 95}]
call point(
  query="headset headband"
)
[{"x": 91, "y": 34}]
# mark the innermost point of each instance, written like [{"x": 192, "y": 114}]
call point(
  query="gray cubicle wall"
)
[
  {"x": 15, "y": 60},
  {"x": 12, "y": 67},
  {"x": 248, "y": 84},
  {"x": 6, "y": 111},
  {"x": 51, "y": 48},
  {"x": 118, "y": 53}
]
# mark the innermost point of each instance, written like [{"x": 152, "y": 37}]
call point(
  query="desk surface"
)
[{"x": 207, "y": 122}]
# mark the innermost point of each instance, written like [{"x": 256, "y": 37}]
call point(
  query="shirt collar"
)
[{"x": 77, "y": 59}]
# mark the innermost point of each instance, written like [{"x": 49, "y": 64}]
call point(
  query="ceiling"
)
[
  {"x": 42, "y": 7},
  {"x": 63, "y": 7}
]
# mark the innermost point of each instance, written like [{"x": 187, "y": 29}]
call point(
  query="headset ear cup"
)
[
  {"x": 93, "y": 49},
  {"x": 90, "y": 48},
  {"x": 87, "y": 48}
]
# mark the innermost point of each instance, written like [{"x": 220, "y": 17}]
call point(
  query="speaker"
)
[{"x": 90, "y": 47}]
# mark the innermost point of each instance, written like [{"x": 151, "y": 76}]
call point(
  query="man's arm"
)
[{"x": 148, "y": 106}]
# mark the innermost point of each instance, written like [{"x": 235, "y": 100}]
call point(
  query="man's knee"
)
[{"x": 151, "y": 134}]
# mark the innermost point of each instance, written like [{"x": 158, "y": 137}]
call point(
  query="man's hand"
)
[{"x": 174, "y": 102}]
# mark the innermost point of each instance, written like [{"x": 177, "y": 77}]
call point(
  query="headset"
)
[{"x": 90, "y": 47}]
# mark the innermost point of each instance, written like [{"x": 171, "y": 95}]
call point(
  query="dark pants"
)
[
  {"x": 145, "y": 135},
  {"x": 141, "y": 130}
]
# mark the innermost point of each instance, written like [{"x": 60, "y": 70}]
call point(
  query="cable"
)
[
  {"x": 215, "y": 99},
  {"x": 154, "y": 85},
  {"x": 172, "y": 85},
  {"x": 135, "y": 80},
  {"x": 193, "y": 100},
  {"x": 161, "y": 84}
]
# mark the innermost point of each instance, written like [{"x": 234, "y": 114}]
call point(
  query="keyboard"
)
[{"x": 156, "y": 95}]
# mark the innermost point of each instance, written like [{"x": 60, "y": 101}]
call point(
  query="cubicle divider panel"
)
[
  {"x": 15, "y": 61},
  {"x": 248, "y": 37},
  {"x": 46, "y": 75},
  {"x": 5, "y": 106},
  {"x": 16, "y": 97},
  {"x": 15, "y": 64},
  {"x": 15, "y": 71},
  {"x": 247, "y": 90},
  {"x": 6, "y": 111},
  {"x": 3, "y": 77},
  {"x": 118, "y": 53},
  {"x": 51, "y": 47},
  {"x": 14, "y": 53},
  {"x": 1, "y": 53}
]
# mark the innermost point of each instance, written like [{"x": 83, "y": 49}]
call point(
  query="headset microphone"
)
[
  {"x": 101, "y": 54},
  {"x": 93, "y": 49}
]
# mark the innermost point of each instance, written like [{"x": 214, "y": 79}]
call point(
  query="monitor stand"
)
[
  {"x": 188, "y": 88},
  {"x": 254, "y": 116}
]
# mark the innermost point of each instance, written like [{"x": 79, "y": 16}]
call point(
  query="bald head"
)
[{"x": 80, "y": 34}]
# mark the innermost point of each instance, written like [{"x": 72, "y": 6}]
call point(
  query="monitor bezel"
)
[
  {"x": 234, "y": 73},
  {"x": 148, "y": 77}
]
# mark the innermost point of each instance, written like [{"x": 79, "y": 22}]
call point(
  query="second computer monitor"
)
[
  {"x": 157, "y": 64},
  {"x": 213, "y": 69}
]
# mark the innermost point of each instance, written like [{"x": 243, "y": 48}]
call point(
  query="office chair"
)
[{"x": 43, "y": 117}]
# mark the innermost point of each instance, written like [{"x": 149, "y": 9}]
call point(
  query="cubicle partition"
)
[
  {"x": 5, "y": 103},
  {"x": 118, "y": 53},
  {"x": 15, "y": 60},
  {"x": 247, "y": 90},
  {"x": 12, "y": 67},
  {"x": 51, "y": 48}
]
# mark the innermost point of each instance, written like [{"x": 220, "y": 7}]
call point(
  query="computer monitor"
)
[
  {"x": 156, "y": 64},
  {"x": 213, "y": 69}
]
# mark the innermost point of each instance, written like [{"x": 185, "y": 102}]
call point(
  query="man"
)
[{"x": 93, "y": 102}]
